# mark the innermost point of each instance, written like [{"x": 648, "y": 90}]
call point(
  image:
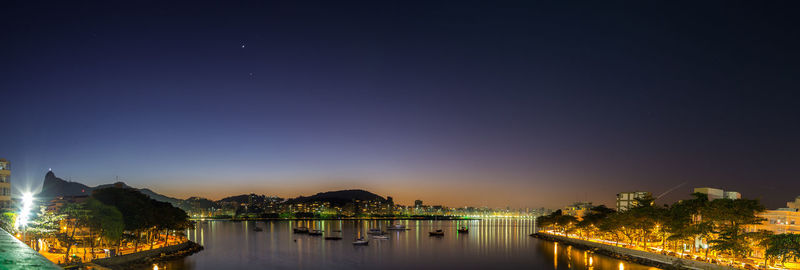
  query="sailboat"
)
[
  {"x": 397, "y": 227},
  {"x": 361, "y": 242}
]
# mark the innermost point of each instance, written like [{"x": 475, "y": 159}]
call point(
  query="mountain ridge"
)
[{"x": 56, "y": 187}]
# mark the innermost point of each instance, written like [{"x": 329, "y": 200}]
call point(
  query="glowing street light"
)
[{"x": 24, "y": 213}]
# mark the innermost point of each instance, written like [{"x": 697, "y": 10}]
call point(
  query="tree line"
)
[
  {"x": 109, "y": 218},
  {"x": 723, "y": 227}
]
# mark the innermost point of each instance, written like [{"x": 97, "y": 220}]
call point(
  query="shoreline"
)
[
  {"x": 634, "y": 256},
  {"x": 300, "y": 219},
  {"x": 148, "y": 257}
]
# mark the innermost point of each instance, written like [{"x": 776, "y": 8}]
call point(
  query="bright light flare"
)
[
  {"x": 27, "y": 198},
  {"x": 25, "y": 210}
]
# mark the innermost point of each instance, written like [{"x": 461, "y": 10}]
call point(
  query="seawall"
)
[
  {"x": 636, "y": 256},
  {"x": 148, "y": 256}
]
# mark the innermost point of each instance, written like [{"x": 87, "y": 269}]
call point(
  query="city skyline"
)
[
  {"x": 515, "y": 104},
  {"x": 613, "y": 202},
  {"x": 221, "y": 195}
]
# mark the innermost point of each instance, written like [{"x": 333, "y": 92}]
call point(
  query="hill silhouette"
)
[
  {"x": 57, "y": 187},
  {"x": 339, "y": 197}
]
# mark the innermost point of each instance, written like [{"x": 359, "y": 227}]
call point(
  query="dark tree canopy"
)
[{"x": 140, "y": 211}]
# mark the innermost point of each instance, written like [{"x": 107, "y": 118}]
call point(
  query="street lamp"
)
[{"x": 27, "y": 204}]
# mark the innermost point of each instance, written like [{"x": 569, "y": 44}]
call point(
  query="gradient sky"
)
[{"x": 520, "y": 104}]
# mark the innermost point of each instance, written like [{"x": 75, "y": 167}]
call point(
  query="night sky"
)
[{"x": 521, "y": 104}]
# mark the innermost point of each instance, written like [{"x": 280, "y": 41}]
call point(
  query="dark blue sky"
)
[{"x": 504, "y": 103}]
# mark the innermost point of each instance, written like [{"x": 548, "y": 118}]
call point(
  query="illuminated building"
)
[
  {"x": 57, "y": 203},
  {"x": 715, "y": 193},
  {"x": 781, "y": 220},
  {"x": 795, "y": 204},
  {"x": 627, "y": 200},
  {"x": 577, "y": 209},
  {"x": 5, "y": 184}
]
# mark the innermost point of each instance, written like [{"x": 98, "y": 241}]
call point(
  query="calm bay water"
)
[{"x": 490, "y": 244}]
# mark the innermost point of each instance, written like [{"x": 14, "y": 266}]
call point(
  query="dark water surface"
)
[{"x": 490, "y": 244}]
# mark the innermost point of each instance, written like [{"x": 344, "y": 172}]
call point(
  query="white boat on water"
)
[
  {"x": 397, "y": 227},
  {"x": 375, "y": 231},
  {"x": 361, "y": 242},
  {"x": 380, "y": 237}
]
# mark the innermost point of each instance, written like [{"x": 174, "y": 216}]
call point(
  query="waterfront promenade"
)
[
  {"x": 636, "y": 255},
  {"x": 661, "y": 257},
  {"x": 84, "y": 254}
]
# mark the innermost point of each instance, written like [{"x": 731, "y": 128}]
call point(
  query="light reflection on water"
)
[
  {"x": 490, "y": 244},
  {"x": 566, "y": 257}
]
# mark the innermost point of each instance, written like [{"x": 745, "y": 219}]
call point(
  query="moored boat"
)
[
  {"x": 437, "y": 233},
  {"x": 463, "y": 230},
  {"x": 397, "y": 227},
  {"x": 333, "y": 238},
  {"x": 315, "y": 232},
  {"x": 375, "y": 231},
  {"x": 361, "y": 242},
  {"x": 300, "y": 230},
  {"x": 258, "y": 229},
  {"x": 380, "y": 237}
]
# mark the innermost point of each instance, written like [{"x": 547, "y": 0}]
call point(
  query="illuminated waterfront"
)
[{"x": 492, "y": 243}]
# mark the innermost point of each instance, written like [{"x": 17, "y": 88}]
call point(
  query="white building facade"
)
[{"x": 627, "y": 200}]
